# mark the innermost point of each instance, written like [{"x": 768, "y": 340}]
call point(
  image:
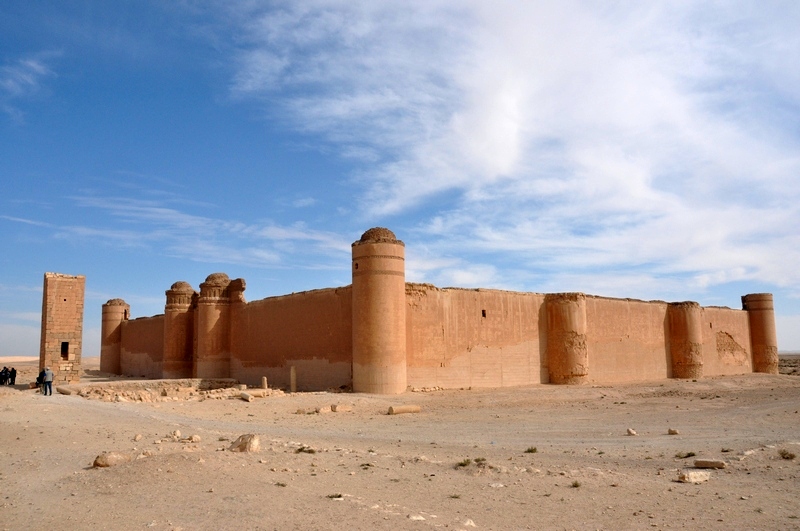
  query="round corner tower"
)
[
  {"x": 115, "y": 312},
  {"x": 379, "y": 313},
  {"x": 763, "y": 334}
]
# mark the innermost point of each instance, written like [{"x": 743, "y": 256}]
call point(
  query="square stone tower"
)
[{"x": 62, "y": 326}]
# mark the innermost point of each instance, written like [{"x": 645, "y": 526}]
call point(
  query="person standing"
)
[
  {"x": 48, "y": 381},
  {"x": 13, "y": 374}
]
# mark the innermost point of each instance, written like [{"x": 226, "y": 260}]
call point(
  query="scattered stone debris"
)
[
  {"x": 673, "y": 431},
  {"x": 341, "y": 408},
  {"x": 632, "y": 432},
  {"x": 171, "y": 391},
  {"x": 248, "y": 442}
]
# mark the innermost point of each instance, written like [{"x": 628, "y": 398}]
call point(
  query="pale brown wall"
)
[
  {"x": 726, "y": 342},
  {"x": 626, "y": 340},
  {"x": 310, "y": 330},
  {"x": 451, "y": 344},
  {"x": 142, "y": 350}
]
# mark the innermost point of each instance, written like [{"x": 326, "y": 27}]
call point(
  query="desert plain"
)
[{"x": 537, "y": 457}]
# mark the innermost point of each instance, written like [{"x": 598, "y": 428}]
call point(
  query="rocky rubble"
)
[{"x": 168, "y": 391}]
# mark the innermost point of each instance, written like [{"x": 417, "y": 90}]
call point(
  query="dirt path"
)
[{"x": 543, "y": 457}]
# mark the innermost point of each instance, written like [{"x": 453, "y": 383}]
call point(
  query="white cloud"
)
[{"x": 577, "y": 135}]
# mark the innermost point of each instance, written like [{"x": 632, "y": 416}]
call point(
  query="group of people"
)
[
  {"x": 45, "y": 381},
  {"x": 8, "y": 376}
]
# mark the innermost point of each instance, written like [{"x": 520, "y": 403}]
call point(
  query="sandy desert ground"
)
[{"x": 540, "y": 457}]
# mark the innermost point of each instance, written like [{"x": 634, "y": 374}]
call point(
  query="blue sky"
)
[{"x": 630, "y": 149}]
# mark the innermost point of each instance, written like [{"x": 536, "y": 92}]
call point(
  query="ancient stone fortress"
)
[
  {"x": 62, "y": 326},
  {"x": 383, "y": 335}
]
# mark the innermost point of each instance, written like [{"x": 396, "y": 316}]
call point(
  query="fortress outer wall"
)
[{"x": 383, "y": 335}]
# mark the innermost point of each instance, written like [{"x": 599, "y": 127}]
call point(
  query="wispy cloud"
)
[
  {"x": 23, "y": 78},
  {"x": 150, "y": 224},
  {"x": 646, "y": 140}
]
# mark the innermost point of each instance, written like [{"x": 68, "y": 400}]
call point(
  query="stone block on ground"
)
[
  {"x": 107, "y": 459},
  {"x": 694, "y": 476},
  {"x": 709, "y": 463},
  {"x": 248, "y": 442},
  {"x": 398, "y": 410}
]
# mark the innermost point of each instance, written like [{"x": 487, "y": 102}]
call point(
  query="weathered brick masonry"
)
[{"x": 62, "y": 326}]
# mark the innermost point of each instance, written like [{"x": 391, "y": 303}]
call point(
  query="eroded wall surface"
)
[
  {"x": 726, "y": 342},
  {"x": 142, "y": 347},
  {"x": 473, "y": 338},
  {"x": 311, "y": 331}
]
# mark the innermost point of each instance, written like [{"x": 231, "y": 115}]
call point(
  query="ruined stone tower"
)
[
  {"x": 379, "y": 313},
  {"x": 62, "y": 326}
]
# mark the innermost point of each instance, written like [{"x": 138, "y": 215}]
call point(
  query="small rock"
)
[
  {"x": 673, "y": 431},
  {"x": 340, "y": 408},
  {"x": 137, "y": 437},
  {"x": 693, "y": 476},
  {"x": 323, "y": 409},
  {"x": 469, "y": 523},
  {"x": 632, "y": 432},
  {"x": 416, "y": 517},
  {"x": 246, "y": 443},
  {"x": 107, "y": 459},
  {"x": 709, "y": 463}
]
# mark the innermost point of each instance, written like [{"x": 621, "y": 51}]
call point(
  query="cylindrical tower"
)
[
  {"x": 379, "y": 313},
  {"x": 763, "y": 335},
  {"x": 115, "y": 312},
  {"x": 212, "y": 351},
  {"x": 686, "y": 339},
  {"x": 567, "y": 351},
  {"x": 178, "y": 331}
]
